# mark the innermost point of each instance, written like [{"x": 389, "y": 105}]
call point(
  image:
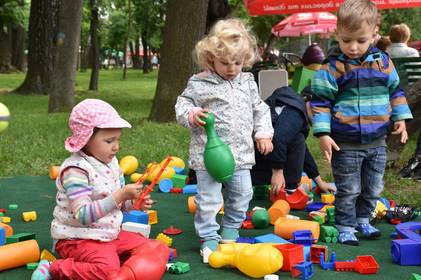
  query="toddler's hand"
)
[
  {"x": 147, "y": 203},
  {"x": 399, "y": 127},
  {"x": 326, "y": 145},
  {"x": 128, "y": 192},
  {"x": 197, "y": 115},
  {"x": 326, "y": 187},
  {"x": 277, "y": 182},
  {"x": 264, "y": 146}
]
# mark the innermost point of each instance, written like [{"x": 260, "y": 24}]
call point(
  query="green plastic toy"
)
[{"x": 219, "y": 161}]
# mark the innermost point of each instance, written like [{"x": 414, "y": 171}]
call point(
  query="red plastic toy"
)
[
  {"x": 297, "y": 200},
  {"x": 172, "y": 230}
]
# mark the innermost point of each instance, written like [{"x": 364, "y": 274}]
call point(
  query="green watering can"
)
[{"x": 219, "y": 161}]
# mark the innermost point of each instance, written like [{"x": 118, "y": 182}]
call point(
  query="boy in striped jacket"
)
[{"x": 356, "y": 101}]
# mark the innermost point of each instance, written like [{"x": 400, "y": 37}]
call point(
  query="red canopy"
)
[
  {"x": 305, "y": 24},
  {"x": 277, "y": 7}
]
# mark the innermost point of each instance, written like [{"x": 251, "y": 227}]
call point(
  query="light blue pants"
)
[{"x": 237, "y": 195}]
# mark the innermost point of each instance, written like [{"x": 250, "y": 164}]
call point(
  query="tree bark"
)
[
  {"x": 126, "y": 40},
  {"x": 18, "y": 48},
  {"x": 63, "y": 81},
  {"x": 43, "y": 22},
  {"x": 134, "y": 49},
  {"x": 5, "y": 47},
  {"x": 413, "y": 96},
  {"x": 93, "y": 83},
  {"x": 179, "y": 38},
  {"x": 146, "y": 61}
]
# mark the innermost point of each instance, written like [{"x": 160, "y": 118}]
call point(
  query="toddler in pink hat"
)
[{"x": 91, "y": 195}]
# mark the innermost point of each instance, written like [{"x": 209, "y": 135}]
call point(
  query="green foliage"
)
[
  {"x": 412, "y": 17},
  {"x": 117, "y": 29},
  {"x": 12, "y": 12}
]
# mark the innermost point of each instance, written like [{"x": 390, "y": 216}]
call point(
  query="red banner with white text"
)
[{"x": 277, "y": 7}]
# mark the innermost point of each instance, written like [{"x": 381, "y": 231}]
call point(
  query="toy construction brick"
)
[
  {"x": 249, "y": 240},
  {"x": 292, "y": 255},
  {"x": 179, "y": 180},
  {"x": 270, "y": 238},
  {"x": 305, "y": 270},
  {"x": 165, "y": 239},
  {"x": 328, "y": 198},
  {"x": 143, "y": 229},
  {"x": 179, "y": 268},
  {"x": 2, "y": 235},
  {"x": 165, "y": 185},
  {"x": 304, "y": 237},
  {"x": 173, "y": 254},
  {"x": 136, "y": 216},
  {"x": 314, "y": 206},
  {"x": 47, "y": 255},
  {"x": 29, "y": 216},
  {"x": 329, "y": 234},
  {"x": 32, "y": 266},
  {"x": 190, "y": 189},
  {"x": 18, "y": 237},
  {"x": 6, "y": 220},
  {"x": 178, "y": 170},
  {"x": 1, "y": 214},
  {"x": 315, "y": 251},
  {"x": 13, "y": 206},
  {"x": 153, "y": 217}
]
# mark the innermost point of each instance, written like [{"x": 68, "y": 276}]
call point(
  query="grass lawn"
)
[{"x": 34, "y": 139}]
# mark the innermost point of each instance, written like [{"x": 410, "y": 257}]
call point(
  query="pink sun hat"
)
[{"x": 87, "y": 115}]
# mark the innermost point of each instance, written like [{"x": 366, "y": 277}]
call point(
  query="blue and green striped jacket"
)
[{"x": 354, "y": 101}]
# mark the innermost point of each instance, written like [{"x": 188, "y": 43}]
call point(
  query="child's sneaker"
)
[
  {"x": 42, "y": 272},
  {"x": 368, "y": 230},
  {"x": 348, "y": 238},
  {"x": 229, "y": 235},
  {"x": 207, "y": 248}
]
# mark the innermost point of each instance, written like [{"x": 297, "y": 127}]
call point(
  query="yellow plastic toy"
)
[
  {"x": 175, "y": 162},
  {"x": 135, "y": 176},
  {"x": 4, "y": 117},
  {"x": 254, "y": 260},
  {"x": 153, "y": 169},
  {"x": 29, "y": 216},
  {"x": 129, "y": 164},
  {"x": 46, "y": 255}
]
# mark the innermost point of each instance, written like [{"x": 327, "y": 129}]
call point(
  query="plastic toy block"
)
[
  {"x": 247, "y": 224},
  {"x": 302, "y": 78},
  {"x": 249, "y": 240},
  {"x": 297, "y": 200},
  {"x": 46, "y": 255},
  {"x": 328, "y": 198},
  {"x": 6, "y": 220},
  {"x": 13, "y": 206},
  {"x": 153, "y": 217},
  {"x": 179, "y": 268},
  {"x": 260, "y": 192},
  {"x": 173, "y": 254},
  {"x": 165, "y": 239},
  {"x": 345, "y": 266},
  {"x": 314, "y": 206},
  {"x": 292, "y": 254},
  {"x": 32, "y": 266},
  {"x": 1, "y": 214},
  {"x": 171, "y": 230},
  {"x": 29, "y": 216},
  {"x": 415, "y": 276},
  {"x": 330, "y": 215},
  {"x": 190, "y": 189},
  {"x": 407, "y": 250},
  {"x": 270, "y": 238},
  {"x": 143, "y": 229},
  {"x": 305, "y": 270},
  {"x": 304, "y": 237},
  {"x": 260, "y": 218},
  {"x": 136, "y": 216},
  {"x": 329, "y": 234},
  {"x": 366, "y": 265},
  {"x": 176, "y": 190},
  {"x": 2, "y": 210},
  {"x": 18, "y": 237},
  {"x": 318, "y": 216},
  {"x": 165, "y": 185},
  {"x": 178, "y": 170},
  {"x": 315, "y": 251},
  {"x": 328, "y": 265},
  {"x": 179, "y": 180},
  {"x": 7, "y": 228},
  {"x": 2, "y": 235}
]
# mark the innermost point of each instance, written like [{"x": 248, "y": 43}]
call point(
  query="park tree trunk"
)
[
  {"x": 5, "y": 46},
  {"x": 63, "y": 81},
  {"x": 126, "y": 40},
  {"x": 93, "y": 84},
  {"x": 18, "y": 47},
  {"x": 134, "y": 49},
  {"x": 413, "y": 96},
  {"x": 42, "y": 33},
  {"x": 179, "y": 38},
  {"x": 146, "y": 61}
]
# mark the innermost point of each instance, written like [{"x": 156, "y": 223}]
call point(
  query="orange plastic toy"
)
[
  {"x": 254, "y": 260},
  {"x": 279, "y": 209},
  {"x": 285, "y": 227},
  {"x": 18, "y": 254},
  {"x": 149, "y": 261},
  {"x": 8, "y": 229},
  {"x": 53, "y": 172}
]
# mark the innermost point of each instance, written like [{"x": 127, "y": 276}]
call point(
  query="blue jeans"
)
[
  {"x": 359, "y": 179},
  {"x": 237, "y": 195}
]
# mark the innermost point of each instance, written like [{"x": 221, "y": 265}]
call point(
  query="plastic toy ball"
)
[{"x": 4, "y": 117}]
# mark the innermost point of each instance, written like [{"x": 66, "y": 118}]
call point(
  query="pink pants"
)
[{"x": 92, "y": 259}]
